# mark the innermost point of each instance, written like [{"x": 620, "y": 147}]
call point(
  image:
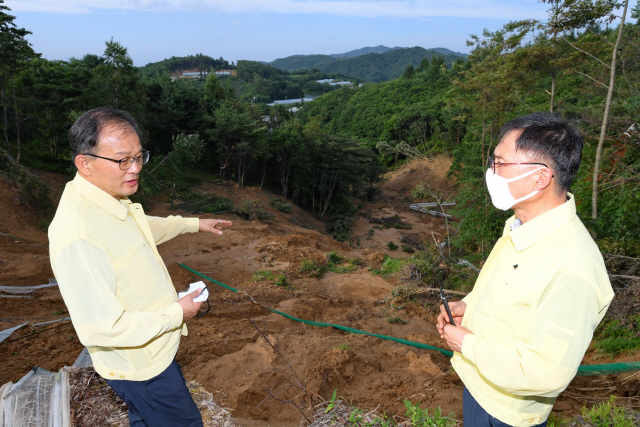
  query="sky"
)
[{"x": 258, "y": 30}]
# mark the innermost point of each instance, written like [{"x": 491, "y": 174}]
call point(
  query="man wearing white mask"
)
[{"x": 523, "y": 330}]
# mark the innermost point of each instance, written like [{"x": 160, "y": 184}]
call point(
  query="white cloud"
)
[{"x": 488, "y": 9}]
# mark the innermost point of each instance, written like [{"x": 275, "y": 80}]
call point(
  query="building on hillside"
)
[
  {"x": 290, "y": 101},
  {"x": 332, "y": 82},
  {"x": 204, "y": 74}
]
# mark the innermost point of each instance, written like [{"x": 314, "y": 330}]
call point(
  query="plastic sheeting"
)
[
  {"x": 7, "y": 332},
  {"x": 26, "y": 289},
  {"x": 83, "y": 360},
  {"x": 40, "y": 399}
]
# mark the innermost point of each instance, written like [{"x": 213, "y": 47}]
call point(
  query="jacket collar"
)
[
  {"x": 101, "y": 198},
  {"x": 541, "y": 226}
]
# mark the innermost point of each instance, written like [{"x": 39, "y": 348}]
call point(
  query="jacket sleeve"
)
[
  {"x": 87, "y": 282},
  {"x": 164, "y": 229},
  {"x": 556, "y": 339}
]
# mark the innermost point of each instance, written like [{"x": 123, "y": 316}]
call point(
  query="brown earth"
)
[{"x": 227, "y": 350}]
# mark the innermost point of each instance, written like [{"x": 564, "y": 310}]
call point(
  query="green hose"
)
[{"x": 583, "y": 370}]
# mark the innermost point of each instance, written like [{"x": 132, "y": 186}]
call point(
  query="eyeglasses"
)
[
  {"x": 493, "y": 164},
  {"x": 208, "y": 306},
  {"x": 126, "y": 162}
]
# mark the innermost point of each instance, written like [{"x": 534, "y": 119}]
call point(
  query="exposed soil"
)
[{"x": 232, "y": 359}]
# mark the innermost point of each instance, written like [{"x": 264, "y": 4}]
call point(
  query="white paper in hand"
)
[{"x": 194, "y": 287}]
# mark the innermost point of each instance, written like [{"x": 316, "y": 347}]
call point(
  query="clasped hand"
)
[{"x": 453, "y": 335}]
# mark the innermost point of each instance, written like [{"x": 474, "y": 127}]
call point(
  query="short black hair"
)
[
  {"x": 551, "y": 140},
  {"x": 85, "y": 132}
]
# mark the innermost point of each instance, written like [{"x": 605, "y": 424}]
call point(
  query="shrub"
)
[
  {"x": 278, "y": 204},
  {"x": 396, "y": 320},
  {"x": 313, "y": 268},
  {"x": 407, "y": 249},
  {"x": 392, "y": 246},
  {"x": 281, "y": 280},
  {"x": 615, "y": 336},
  {"x": 263, "y": 215}
]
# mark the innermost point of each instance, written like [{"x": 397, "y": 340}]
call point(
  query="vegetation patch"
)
[
  {"x": 425, "y": 418},
  {"x": 391, "y": 222},
  {"x": 389, "y": 267},
  {"x": 262, "y": 275},
  {"x": 396, "y": 320},
  {"x": 202, "y": 203},
  {"x": 615, "y": 336},
  {"x": 603, "y": 414},
  {"x": 334, "y": 263},
  {"x": 278, "y": 204}
]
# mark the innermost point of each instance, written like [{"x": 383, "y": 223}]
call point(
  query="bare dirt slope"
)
[{"x": 227, "y": 354}]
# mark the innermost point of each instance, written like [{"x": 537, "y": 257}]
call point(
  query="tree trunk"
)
[
  {"x": 553, "y": 92},
  {"x": 17, "y": 118},
  {"x": 605, "y": 118},
  {"x": 4, "y": 118}
]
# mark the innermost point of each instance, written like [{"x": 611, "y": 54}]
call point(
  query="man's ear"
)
[
  {"x": 83, "y": 165},
  {"x": 545, "y": 179}
]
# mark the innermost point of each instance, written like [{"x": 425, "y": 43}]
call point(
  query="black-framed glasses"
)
[
  {"x": 493, "y": 164},
  {"x": 126, "y": 162},
  {"x": 208, "y": 306}
]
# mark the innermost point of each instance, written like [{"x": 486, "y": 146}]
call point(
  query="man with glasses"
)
[
  {"x": 524, "y": 329},
  {"x": 114, "y": 283}
]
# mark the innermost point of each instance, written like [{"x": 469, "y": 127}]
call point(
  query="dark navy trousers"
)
[
  {"x": 162, "y": 401},
  {"x": 473, "y": 415}
]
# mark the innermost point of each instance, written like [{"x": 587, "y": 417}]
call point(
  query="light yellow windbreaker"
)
[
  {"x": 539, "y": 297},
  {"x": 113, "y": 281}
]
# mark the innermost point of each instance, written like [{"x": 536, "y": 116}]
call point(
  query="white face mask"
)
[{"x": 499, "y": 189}]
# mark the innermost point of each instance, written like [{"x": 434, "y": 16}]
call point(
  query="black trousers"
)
[
  {"x": 162, "y": 401},
  {"x": 473, "y": 415}
]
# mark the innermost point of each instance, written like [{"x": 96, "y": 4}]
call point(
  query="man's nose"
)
[{"x": 136, "y": 165}]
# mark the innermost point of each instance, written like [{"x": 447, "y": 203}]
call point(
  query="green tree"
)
[
  {"x": 15, "y": 51},
  {"x": 117, "y": 82}
]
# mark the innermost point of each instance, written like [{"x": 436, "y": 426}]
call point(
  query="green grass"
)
[
  {"x": 425, "y": 418},
  {"x": 342, "y": 346},
  {"x": 262, "y": 275},
  {"x": 389, "y": 266},
  {"x": 604, "y": 414}
]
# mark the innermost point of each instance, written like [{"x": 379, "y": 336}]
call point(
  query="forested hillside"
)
[
  {"x": 198, "y": 62},
  {"x": 299, "y": 62},
  {"x": 372, "y": 67},
  {"x": 436, "y": 106},
  {"x": 459, "y": 110}
]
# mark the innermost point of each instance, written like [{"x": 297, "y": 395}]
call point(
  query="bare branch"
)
[
  {"x": 600, "y": 83},
  {"x": 586, "y": 53}
]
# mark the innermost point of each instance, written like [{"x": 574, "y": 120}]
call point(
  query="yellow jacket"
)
[
  {"x": 116, "y": 287},
  {"x": 534, "y": 307}
]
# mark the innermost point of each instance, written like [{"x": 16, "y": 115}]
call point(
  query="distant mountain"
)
[
  {"x": 374, "y": 67},
  {"x": 298, "y": 62},
  {"x": 445, "y": 51},
  {"x": 364, "y": 51}
]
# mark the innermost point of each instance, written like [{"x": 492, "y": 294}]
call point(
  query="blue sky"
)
[{"x": 261, "y": 30}]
